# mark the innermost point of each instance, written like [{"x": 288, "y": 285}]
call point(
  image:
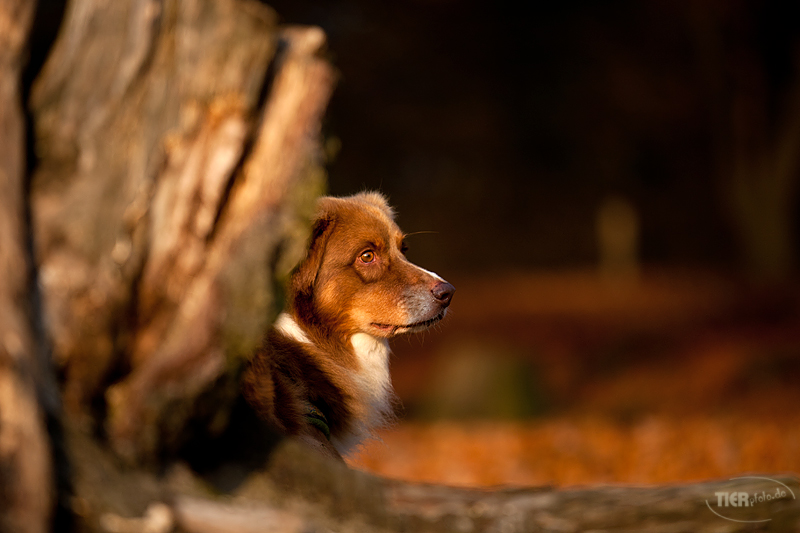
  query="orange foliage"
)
[{"x": 582, "y": 451}]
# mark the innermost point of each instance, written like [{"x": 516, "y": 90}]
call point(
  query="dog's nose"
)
[{"x": 443, "y": 292}]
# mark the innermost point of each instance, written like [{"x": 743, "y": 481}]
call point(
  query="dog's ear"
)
[{"x": 305, "y": 274}]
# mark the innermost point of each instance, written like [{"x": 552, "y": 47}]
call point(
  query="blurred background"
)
[{"x": 613, "y": 189}]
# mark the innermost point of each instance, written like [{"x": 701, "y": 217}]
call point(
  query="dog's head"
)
[{"x": 356, "y": 277}]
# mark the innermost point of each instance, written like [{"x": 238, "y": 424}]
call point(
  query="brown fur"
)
[{"x": 328, "y": 351}]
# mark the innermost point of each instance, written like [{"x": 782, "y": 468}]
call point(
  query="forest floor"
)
[{"x": 571, "y": 379}]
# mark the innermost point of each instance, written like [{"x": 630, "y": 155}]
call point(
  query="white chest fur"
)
[
  {"x": 373, "y": 381},
  {"x": 373, "y": 360},
  {"x": 287, "y": 325}
]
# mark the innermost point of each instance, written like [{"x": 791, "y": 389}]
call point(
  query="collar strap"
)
[{"x": 315, "y": 417}]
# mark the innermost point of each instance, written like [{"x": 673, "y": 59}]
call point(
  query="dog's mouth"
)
[{"x": 390, "y": 329}]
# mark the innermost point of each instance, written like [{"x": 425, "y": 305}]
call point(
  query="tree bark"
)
[
  {"x": 26, "y": 481},
  {"x": 174, "y": 169}
]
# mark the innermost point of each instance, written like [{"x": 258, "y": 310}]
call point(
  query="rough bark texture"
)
[
  {"x": 26, "y": 487},
  {"x": 174, "y": 165},
  {"x": 178, "y": 146}
]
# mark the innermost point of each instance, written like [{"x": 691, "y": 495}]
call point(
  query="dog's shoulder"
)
[{"x": 293, "y": 385}]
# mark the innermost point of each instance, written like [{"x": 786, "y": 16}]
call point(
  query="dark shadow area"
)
[
  {"x": 46, "y": 23},
  {"x": 227, "y": 459}
]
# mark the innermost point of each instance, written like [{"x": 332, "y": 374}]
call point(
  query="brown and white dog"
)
[{"x": 323, "y": 371}]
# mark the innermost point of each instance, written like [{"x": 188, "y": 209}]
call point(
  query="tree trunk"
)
[
  {"x": 756, "y": 140},
  {"x": 26, "y": 481},
  {"x": 175, "y": 167},
  {"x": 178, "y": 146}
]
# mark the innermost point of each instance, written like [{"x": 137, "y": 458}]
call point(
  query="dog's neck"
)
[{"x": 371, "y": 378}]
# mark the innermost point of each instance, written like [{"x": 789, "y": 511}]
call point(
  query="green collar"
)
[{"x": 315, "y": 417}]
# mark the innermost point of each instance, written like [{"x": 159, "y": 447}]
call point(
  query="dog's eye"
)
[{"x": 367, "y": 256}]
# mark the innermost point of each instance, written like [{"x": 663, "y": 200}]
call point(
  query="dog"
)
[{"x": 322, "y": 373}]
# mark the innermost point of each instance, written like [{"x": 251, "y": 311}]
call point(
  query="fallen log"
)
[{"x": 298, "y": 490}]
